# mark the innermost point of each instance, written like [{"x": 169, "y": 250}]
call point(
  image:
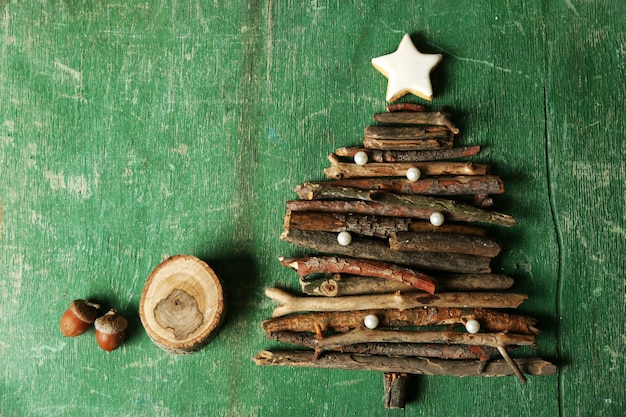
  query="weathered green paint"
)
[{"x": 130, "y": 131}]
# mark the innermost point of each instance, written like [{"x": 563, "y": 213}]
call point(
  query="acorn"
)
[
  {"x": 78, "y": 317},
  {"x": 110, "y": 330}
]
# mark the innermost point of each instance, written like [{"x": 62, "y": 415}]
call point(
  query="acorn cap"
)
[
  {"x": 84, "y": 310},
  {"x": 111, "y": 323}
]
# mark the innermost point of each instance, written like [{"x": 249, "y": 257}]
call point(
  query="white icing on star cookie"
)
[{"x": 408, "y": 71}]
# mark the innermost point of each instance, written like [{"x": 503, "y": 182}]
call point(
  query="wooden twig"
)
[
  {"x": 477, "y": 185},
  {"x": 443, "y": 242},
  {"x": 405, "y": 107},
  {"x": 408, "y": 144},
  {"x": 369, "y": 225},
  {"x": 393, "y": 349},
  {"x": 411, "y": 365},
  {"x": 417, "y": 118},
  {"x": 292, "y": 304},
  {"x": 374, "y": 249},
  {"x": 376, "y": 155},
  {"x": 452, "y": 210},
  {"x": 406, "y": 132},
  {"x": 395, "y": 385},
  {"x": 333, "y": 285},
  {"x": 341, "y": 321},
  {"x": 497, "y": 340},
  {"x": 341, "y": 170},
  {"x": 334, "y": 264},
  {"x": 353, "y": 337}
]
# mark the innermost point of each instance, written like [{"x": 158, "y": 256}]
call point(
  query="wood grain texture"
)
[{"x": 136, "y": 130}]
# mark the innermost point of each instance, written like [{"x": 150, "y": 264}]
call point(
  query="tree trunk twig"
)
[{"x": 395, "y": 385}]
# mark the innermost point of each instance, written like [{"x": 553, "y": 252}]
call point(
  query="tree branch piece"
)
[
  {"x": 452, "y": 210},
  {"x": 369, "y": 225},
  {"x": 373, "y": 249},
  {"x": 477, "y": 185},
  {"x": 532, "y": 366},
  {"x": 393, "y": 349},
  {"x": 417, "y": 118},
  {"x": 342, "y": 321},
  {"x": 292, "y": 304},
  {"x": 341, "y": 170},
  {"x": 443, "y": 242},
  {"x": 376, "y": 155},
  {"x": 395, "y": 385},
  {"x": 333, "y": 285},
  {"x": 333, "y": 264},
  {"x": 353, "y": 337},
  {"x": 497, "y": 340}
]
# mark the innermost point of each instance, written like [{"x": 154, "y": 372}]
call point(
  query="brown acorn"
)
[
  {"x": 78, "y": 317},
  {"x": 110, "y": 330}
]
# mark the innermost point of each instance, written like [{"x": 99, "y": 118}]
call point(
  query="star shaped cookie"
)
[{"x": 408, "y": 71}]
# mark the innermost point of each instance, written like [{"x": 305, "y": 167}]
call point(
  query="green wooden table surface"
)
[{"x": 131, "y": 131}]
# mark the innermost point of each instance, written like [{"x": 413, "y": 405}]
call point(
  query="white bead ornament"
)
[
  {"x": 413, "y": 174},
  {"x": 370, "y": 321},
  {"x": 436, "y": 219},
  {"x": 361, "y": 158},
  {"x": 344, "y": 238},
  {"x": 472, "y": 326}
]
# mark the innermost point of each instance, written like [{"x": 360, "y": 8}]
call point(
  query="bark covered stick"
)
[
  {"x": 417, "y": 118},
  {"x": 353, "y": 337},
  {"x": 334, "y": 264},
  {"x": 497, "y": 340},
  {"x": 406, "y": 132},
  {"x": 289, "y": 303},
  {"x": 411, "y": 365},
  {"x": 376, "y": 155},
  {"x": 395, "y": 385},
  {"x": 441, "y": 242},
  {"x": 341, "y": 170},
  {"x": 373, "y": 249},
  {"x": 423, "y": 144},
  {"x": 477, "y": 185},
  {"x": 369, "y": 225},
  {"x": 392, "y": 349},
  {"x": 341, "y": 321},
  {"x": 452, "y": 210},
  {"x": 333, "y": 285}
]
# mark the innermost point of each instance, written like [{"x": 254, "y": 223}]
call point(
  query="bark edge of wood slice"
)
[{"x": 182, "y": 304}]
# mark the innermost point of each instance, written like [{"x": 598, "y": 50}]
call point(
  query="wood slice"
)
[{"x": 182, "y": 304}]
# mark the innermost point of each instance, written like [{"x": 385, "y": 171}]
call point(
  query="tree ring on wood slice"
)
[{"x": 182, "y": 304}]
